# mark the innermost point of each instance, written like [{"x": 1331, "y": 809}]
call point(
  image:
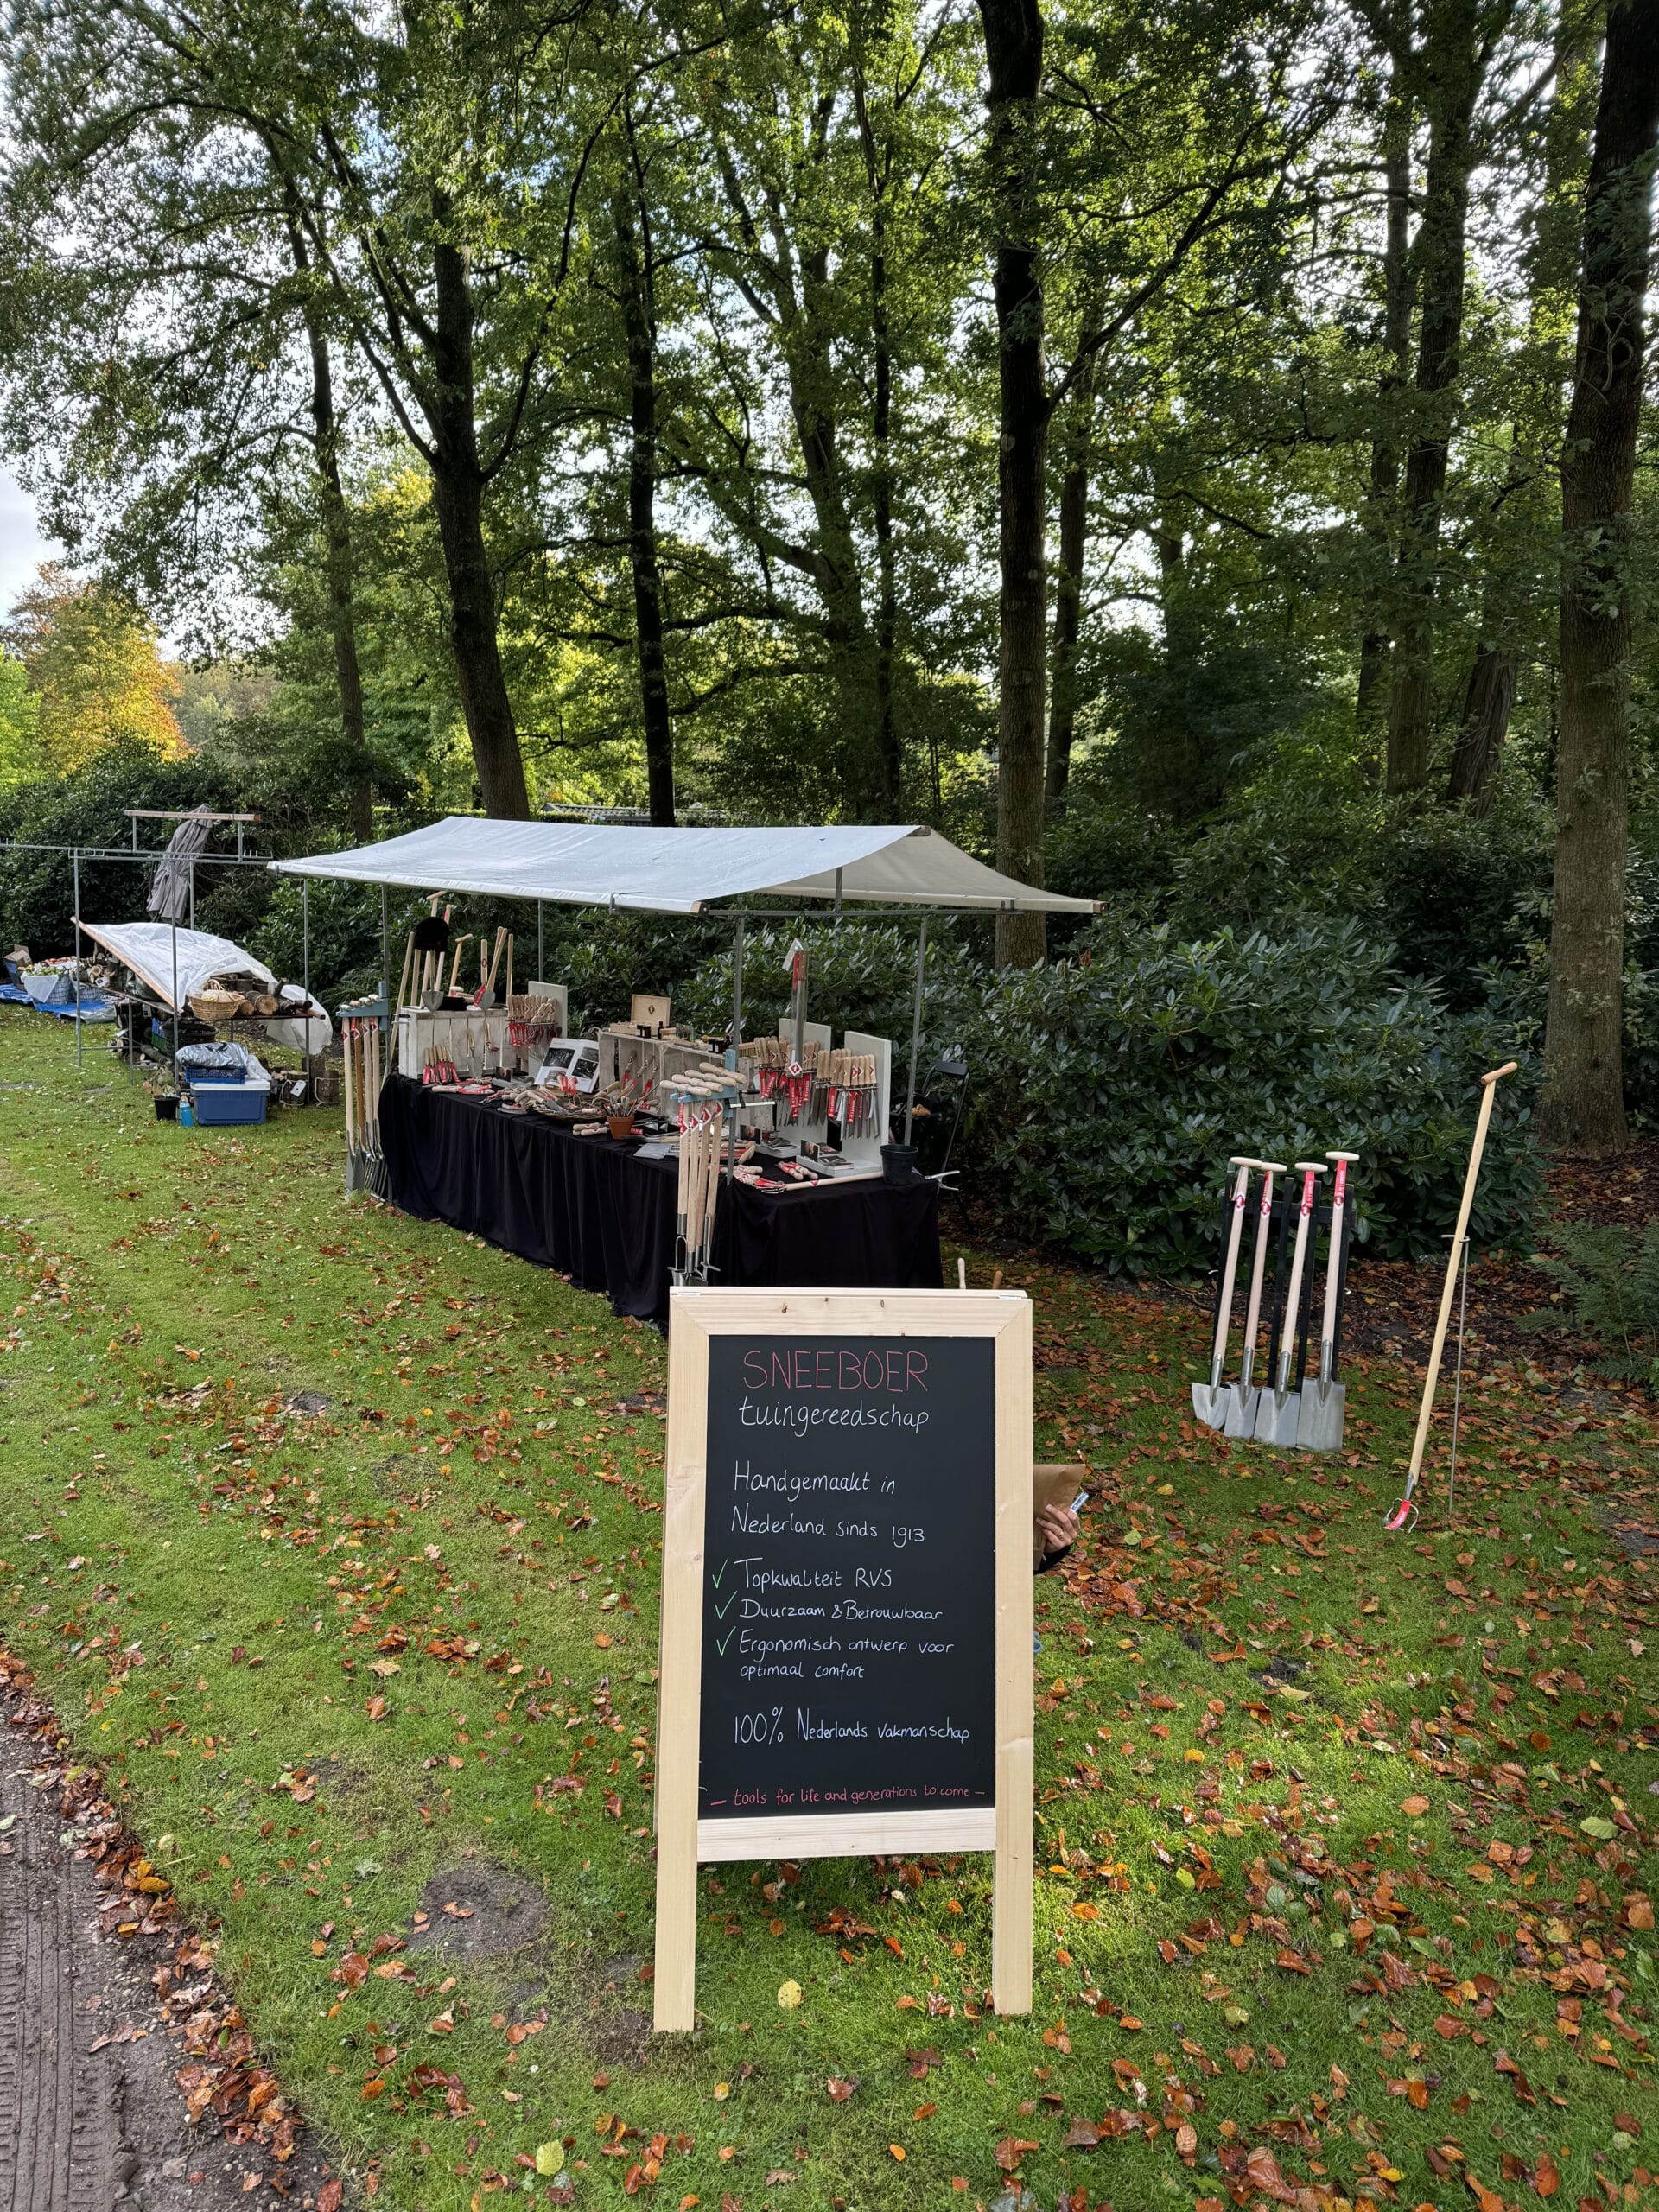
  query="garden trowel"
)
[
  {"x": 1240, "y": 1421},
  {"x": 1210, "y": 1400},
  {"x": 1319, "y": 1417},
  {"x": 1277, "y": 1409}
]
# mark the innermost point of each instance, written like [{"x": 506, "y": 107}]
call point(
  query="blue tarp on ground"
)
[{"x": 94, "y": 1007}]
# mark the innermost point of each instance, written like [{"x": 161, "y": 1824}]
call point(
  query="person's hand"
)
[{"x": 1056, "y": 1527}]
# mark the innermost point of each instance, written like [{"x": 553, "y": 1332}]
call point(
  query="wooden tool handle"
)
[{"x": 1498, "y": 1074}]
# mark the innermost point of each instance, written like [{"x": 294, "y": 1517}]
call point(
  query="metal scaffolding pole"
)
[
  {"x": 78, "y": 1042},
  {"x": 541, "y": 942},
  {"x": 915, "y": 1027}
]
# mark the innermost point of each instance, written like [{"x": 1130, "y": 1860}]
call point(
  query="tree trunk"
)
[
  {"x": 457, "y": 497},
  {"x": 639, "y": 319},
  {"x": 337, "y": 541},
  {"x": 342, "y": 613},
  {"x": 1485, "y": 726},
  {"x": 1396, "y": 342},
  {"x": 1583, "y": 1107},
  {"x": 1510, "y": 594},
  {"x": 888, "y": 755},
  {"x": 1452, "y": 70},
  {"x": 1068, "y": 583},
  {"x": 1013, "y": 52}
]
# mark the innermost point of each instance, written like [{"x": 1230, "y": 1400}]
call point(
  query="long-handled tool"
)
[
  {"x": 1405, "y": 1513},
  {"x": 1211, "y": 1399},
  {"x": 1277, "y": 1409},
  {"x": 1323, "y": 1410},
  {"x": 1240, "y": 1423}
]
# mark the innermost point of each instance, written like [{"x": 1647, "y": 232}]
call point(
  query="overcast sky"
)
[{"x": 21, "y": 547}]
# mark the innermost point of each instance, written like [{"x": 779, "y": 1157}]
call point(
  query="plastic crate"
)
[{"x": 218, "y": 1105}]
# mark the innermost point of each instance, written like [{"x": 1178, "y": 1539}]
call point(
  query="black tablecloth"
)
[{"x": 599, "y": 1214}]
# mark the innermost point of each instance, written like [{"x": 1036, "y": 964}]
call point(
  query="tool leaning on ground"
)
[
  {"x": 1210, "y": 1400},
  {"x": 1404, "y": 1515},
  {"x": 1278, "y": 1408},
  {"x": 1321, "y": 1412},
  {"x": 1240, "y": 1423}
]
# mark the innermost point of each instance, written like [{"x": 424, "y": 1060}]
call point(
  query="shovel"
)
[
  {"x": 1320, "y": 1415},
  {"x": 1277, "y": 1409},
  {"x": 1212, "y": 1399},
  {"x": 1405, "y": 1513},
  {"x": 1240, "y": 1423}
]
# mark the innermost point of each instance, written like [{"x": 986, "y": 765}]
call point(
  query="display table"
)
[{"x": 596, "y": 1212}]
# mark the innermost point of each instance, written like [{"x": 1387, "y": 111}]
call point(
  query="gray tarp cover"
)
[{"x": 147, "y": 948}]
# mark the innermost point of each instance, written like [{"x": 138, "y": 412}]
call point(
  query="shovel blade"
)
[
  {"x": 1211, "y": 1402},
  {"x": 1319, "y": 1426},
  {"x": 1276, "y": 1417},
  {"x": 1240, "y": 1423}
]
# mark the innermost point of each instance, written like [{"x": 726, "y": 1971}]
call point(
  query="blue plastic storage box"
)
[{"x": 219, "y": 1105}]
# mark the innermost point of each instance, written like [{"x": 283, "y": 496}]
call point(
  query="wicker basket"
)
[{"x": 213, "y": 1006}]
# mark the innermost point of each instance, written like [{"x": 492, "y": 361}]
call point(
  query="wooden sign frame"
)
[{"x": 695, "y": 1316}]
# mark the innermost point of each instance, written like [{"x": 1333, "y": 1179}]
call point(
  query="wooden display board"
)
[{"x": 846, "y": 1658}]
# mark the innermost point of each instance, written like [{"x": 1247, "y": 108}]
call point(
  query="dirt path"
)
[{"x": 91, "y": 2119}]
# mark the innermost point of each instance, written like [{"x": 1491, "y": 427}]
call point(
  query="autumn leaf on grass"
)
[
  {"x": 839, "y": 2088},
  {"x": 1010, "y": 2151},
  {"x": 789, "y": 1995},
  {"x": 377, "y": 1708},
  {"x": 1546, "y": 2176},
  {"x": 329, "y": 2196},
  {"x": 1082, "y": 2135},
  {"x": 444, "y": 2024},
  {"x": 1415, "y": 1806},
  {"x": 550, "y": 2159}
]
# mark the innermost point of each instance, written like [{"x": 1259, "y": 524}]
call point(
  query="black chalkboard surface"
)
[{"x": 848, "y": 1623}]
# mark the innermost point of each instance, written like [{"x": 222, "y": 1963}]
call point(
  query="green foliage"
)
[
  {"x": 1110, "y": 1089},
  {"x": 37, "y": 889},
  {"x": 21, "y": 757},
  {"x": 1609, "y": 1280}
]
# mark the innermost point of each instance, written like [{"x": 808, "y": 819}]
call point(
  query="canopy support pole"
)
[
  {"x": 173, "y": 924},
  {"x": 305, "y": 955},
  {"x": 916, "y": 1028},
  {"x": 192, "y": 891},
  {"x": 385, "y": 945},
  {"x": 737, "y": 995},
  {"x": 78, "y": 1042},
  {"x": 541, "y": 942}
]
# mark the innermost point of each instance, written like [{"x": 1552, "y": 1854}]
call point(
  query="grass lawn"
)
[{"x": 1343, "y": 1840}]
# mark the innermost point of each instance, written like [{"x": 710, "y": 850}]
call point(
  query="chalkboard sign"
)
[
  {"x": 850, "y": 1584},
  {"x": 846, "y": 1659}
]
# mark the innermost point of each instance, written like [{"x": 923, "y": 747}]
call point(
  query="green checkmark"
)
[
  {"x": 721, "y": 1641},
  {"x": 721, "y": 1612},
  {"x": 724, "y": 1563}
]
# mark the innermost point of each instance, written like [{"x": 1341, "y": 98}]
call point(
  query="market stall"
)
[{"x": 663, "y": 1156}]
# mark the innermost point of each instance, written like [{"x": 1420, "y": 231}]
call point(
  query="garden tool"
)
[
  {"x": 1320, "y": 1415},
  {"x": 1278, "y": 1409},
  {"x": 1212, "y": 1399},
  {"x": 1405, "y": 1514},
  {"x": 1240, "y": 1423}
]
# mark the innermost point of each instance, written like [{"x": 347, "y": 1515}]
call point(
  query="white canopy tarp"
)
[
  {"x": 682, "y": 871},
  {"x": 148, "y": 949}
]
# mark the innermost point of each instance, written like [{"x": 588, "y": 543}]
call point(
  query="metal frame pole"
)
[
  {"x": 305, "y": 955},
  {"x": 174, "y": 923},
  {"x": 385, "y": 946},
  {"x": 79, "y": 1046},
  {"x": 737, "y": 995},
  {"x": 192, "y": 891},
  {"x": 541, "y": 943},
  {"x": 915, "y": 1027}
]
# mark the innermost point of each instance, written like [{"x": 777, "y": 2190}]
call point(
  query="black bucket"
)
[
  {"x": 167, "y": 1107},
  {"x": 898, "y": 1163}
]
